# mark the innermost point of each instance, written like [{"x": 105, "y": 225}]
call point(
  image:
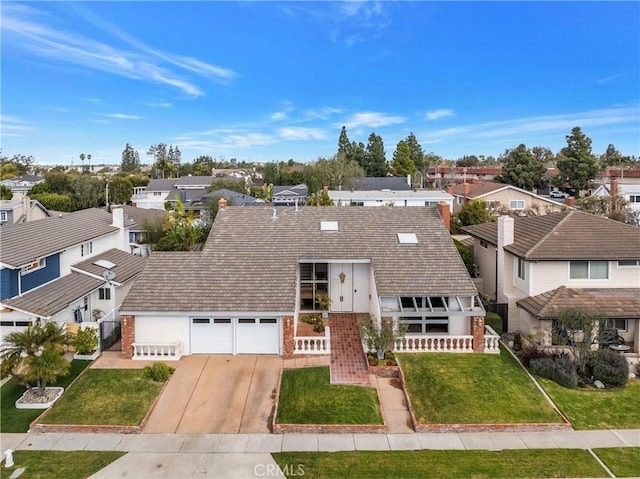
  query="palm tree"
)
[{"x": 36, "y": 355}]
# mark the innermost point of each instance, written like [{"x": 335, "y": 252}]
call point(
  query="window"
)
[
  {"x": 629, "y": 263},
  {"x": 222, "y": 321},
  {"x": 484, "y": 244},
  {"x": 516, "y": 204},
  {"x": 157, "y": 193},
  {"x": 634, "y": 198},
  {"x": 200, "y": 320},
  {"x": 104, "y": 293},
  {"x": 521, "y": 268},
  {"x": 588, "y": 270},
  {"x": 86, "y": 248},
  {"x": 246, "y": 321},
  {"x": 41, "y": 263},
  {"x": 3, "y": 216},
  {"x": 314, "y": 280},
  {"x": 426, "y": 325},
  {"x": 268, "y": 321},
  {"x": 618, "y": 324}
]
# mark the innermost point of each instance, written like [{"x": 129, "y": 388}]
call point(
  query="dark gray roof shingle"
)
[{"x": 250, "y": 260}]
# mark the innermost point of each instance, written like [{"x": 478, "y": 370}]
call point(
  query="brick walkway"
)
[{"x": 348, "y": 364}]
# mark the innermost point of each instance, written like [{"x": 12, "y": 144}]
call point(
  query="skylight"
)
[
  {"x": 407, "y": 238},
  {"x": 104, "y": 263},
  {"x": 328, "y": 226}
]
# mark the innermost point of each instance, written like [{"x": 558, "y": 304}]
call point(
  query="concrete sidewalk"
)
[{"x": 267, "y": 443}]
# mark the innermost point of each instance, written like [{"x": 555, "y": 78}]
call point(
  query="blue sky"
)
[{"x": 268, "y": 81}]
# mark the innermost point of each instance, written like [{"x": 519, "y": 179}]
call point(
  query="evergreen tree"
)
[
  {"x": 577, "y": 164},
  {"x": 344, "y": 145},
  {"x": 375, "y": 157},
  {"x": 417, "y": 155},
  {"x": 130, "y": 159},
  {"x": 522, "y": 169},
  {"x": 612, "y": 157},
  {"x": 402, "y": 164},
  {"x": 358, "y": 154}
]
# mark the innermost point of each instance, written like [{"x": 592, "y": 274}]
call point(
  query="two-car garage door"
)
[{"x": 235, "y": 336}]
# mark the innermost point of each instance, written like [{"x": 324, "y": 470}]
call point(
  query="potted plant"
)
[
  {"x": 85, "y": 342},
  {"x": 324, "y": 301}
]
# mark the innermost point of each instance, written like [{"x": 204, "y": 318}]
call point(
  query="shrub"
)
[
  {"x": 85, "y": 340},
  {"x": 318, "y": 323},
  {"x": 609, "y": 367},
  {"x": 159, "y": 372},
  {"x": 532, "y": 352},
  {"x": 558, "y": 368}
]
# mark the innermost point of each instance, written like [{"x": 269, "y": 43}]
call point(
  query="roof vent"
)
[
  {"x": 328, "y": 226},
  {"x": 104, "y": 263},
  {"x": 407, "y": 238}
]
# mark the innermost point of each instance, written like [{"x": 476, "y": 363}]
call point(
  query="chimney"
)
[
  {"x": 409, "y": 180},
  {"x": 118, "y": 217},
  {"x": 450, "y": 189},
  {"x": 118, "y": 221},
  {"x": 506, "y": 230},
  {"x": 570, "y": 201},
  {"x": 222, "y": 204},
  {"x": 467, "y": 189},
  {"x": 614, "y": 187},
  {"x": 445, "y": 214}
]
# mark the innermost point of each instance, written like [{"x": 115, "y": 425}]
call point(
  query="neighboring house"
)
[
  {"x": 390, "y": 198},
  {"x": 261, "y": 269},
  {"x": 502, "y": 196},
  {"x": 630, "y": 192},
  {"x": 289, "y": 195},
  {"x": 142, "y": 219},
  {"x": 42, "y": 264},
  {"x": 21, "y": 185},
  {"x": 441, "y": 176},
  {"x": 536, "y": 265},
  {"x": 233, "y": 198},
  {"x": 22, "y": 211},
  {"x": 369, "y": 183},
  {"x": 157, "y": 192}
]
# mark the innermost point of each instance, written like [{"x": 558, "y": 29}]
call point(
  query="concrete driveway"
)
[{"x": 218, "y": 394}]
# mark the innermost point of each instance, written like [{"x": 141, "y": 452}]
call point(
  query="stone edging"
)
[
  {"x": 35, "y": 426},
  {"x": 505, "y": 427},
  {"x": 277, "y": 428}
]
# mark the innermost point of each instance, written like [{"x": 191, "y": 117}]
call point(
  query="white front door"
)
[
  {"x": 361, "y": 287},
  {"x": 341, "y": 287}
]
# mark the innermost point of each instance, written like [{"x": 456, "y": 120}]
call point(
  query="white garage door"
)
[{"x": 235, "y": 336}]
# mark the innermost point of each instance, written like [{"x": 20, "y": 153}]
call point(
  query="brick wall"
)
[
  {"x": 287, "y": 336},
  {"x": 128, "y": 332},
  {"x": 477, "y": 331}
]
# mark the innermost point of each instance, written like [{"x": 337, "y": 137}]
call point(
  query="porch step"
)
[{"x": 348, "y": 363}]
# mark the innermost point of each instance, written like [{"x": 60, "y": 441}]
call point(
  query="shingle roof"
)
[
  {"x": 250, "y": 260},
  {"x": 25, "y": 243},
  {"x": 235, "y": 198},
  {"x": 479, "y": 189},
  {"x": 160, "y": 185},
  {"x": 126, "y": 265},
  {"x": 140, "y": 216},
  {"x": 611, "y": 302},
  {"x": 570, "y": 235},
  {"x": 55, "y": 296},
  {"x": 370, "y": 183},
  {"x": 203, "y": 181}
]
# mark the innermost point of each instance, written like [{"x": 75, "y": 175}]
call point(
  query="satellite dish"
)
[{"x": 108, "y": 275}]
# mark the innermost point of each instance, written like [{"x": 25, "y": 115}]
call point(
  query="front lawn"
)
[
  {"x": 105, "y": 397},
  {"x": 623, "y": 461},
  {"x": 591, "y": 408},
  {"x": 18, "y": 420},
  {"x": 539, "y": 463},
  {"x": 67, "y": 464},
  {"x": 306, "y": 397},
  {"x": 449, "y": 388}
]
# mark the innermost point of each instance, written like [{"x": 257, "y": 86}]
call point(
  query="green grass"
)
[
  {"x": 593, "y": 408},
  {"x": 539, "y": 463},
  {"x": 18, "y": 420},
  {"x": 623, "y": 461},
  {"x": 473, "y": 389},
  {"x": 306, "y": 397},
  {"x": 105, "y": 397},
  {"x": 495, "y": 321},
  {"x": 67, "y": 464}
]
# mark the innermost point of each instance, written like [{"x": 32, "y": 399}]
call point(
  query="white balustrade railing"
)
[
  {"x": 313, "y": 344},
  {"x": 434, "y": 343},
  {"x": 491, "y": 340},
  {"x": 169, "y": 351}
]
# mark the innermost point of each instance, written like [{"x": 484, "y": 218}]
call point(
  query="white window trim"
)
[
  {"x": 589, "y": 278},
  {"x": 4, "y": 216},
  {"x": 512, "y": 207},
  {"x": 521, "y": 267},
  {"x": 35, "y": 266},
  {"x": 637, "y": 265}
]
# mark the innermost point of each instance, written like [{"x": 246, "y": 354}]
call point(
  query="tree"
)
[
  {"x": 375, "y": 157},
  {"x": 579, "y": 329},
  {"x": 161, "y": 162},
  {"x": 86, "y": 169},
  {"x": 337, "y": 172},
  {"x": 612, "y": 157},
  {"x": 175, "y": 158},
  {"x": 130, "y": 159},
  {"x": 182, "y": 237},
  {"x": 203, "y": 165},
  {"x": 5, "y": 193},
  {"x": 23, "y": 164},
  {"x": 36, "y": 355},
  {"x": 380, "y": 337},
  {"x": 417, "y": 155},
  {"x": 474, "y": 213},
  {"x": 344, "y": 145},
  {"x": 468, "y": 160},
  {"x": 358, "y": 154},
  {"x": 87, "y": 192},
  {"x": 120, "y": 190},
  {"x": 576, "y": 163},
  {"x": 544, "y": 155},
  {"x": 53, "y": 201},
  {"x": 522, "y": 169},
  {"x": 402, "y": 164},
  {"x": 8, "y": 170},
  {"x": 320, "y": 199}
]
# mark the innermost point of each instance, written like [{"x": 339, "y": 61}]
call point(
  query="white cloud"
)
[
  {"x": 160, "y": 104},
  {"x": 20, "y": 27},
  {"x": 14, "y": 127},
  {"x": 372, "y": 119},
  {"x": 435, "y": 114},
  {"x": 123, "y": 116},
  {"x": 279, "y": 115},
  {"x": 297, "y": 133}
]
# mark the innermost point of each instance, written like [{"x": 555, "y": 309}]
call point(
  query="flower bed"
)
[{"x": 31, "y": 400}]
